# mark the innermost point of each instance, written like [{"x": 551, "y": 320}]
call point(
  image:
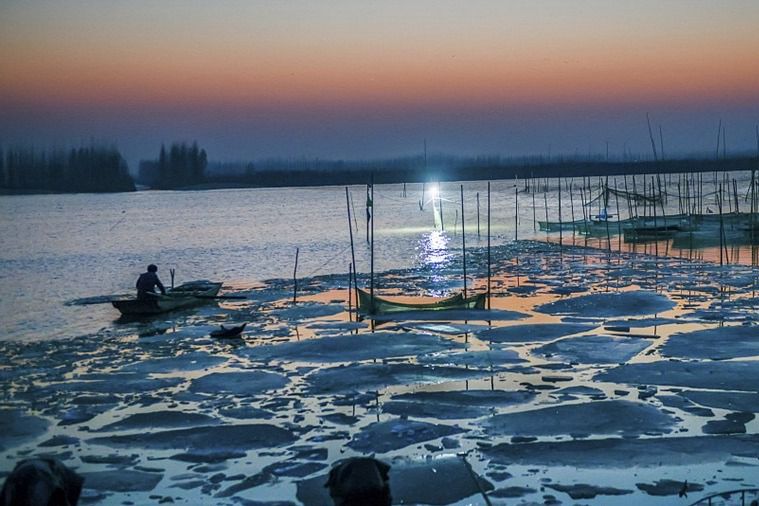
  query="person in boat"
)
[{"x": 147, "y": 282}]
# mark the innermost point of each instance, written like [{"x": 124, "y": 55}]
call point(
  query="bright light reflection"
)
[{"x": 433, "y": 250}]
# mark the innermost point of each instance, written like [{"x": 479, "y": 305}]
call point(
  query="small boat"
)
[
  {"x": 184, "y": 295},
  {"x": 379, "y": 305},
  {"x": 228, "y": 333}
]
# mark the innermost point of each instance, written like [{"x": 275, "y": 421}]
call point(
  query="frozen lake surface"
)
[{"x": 616, "y": 409}]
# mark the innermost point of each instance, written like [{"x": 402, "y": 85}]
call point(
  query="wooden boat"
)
[
  {"x": 380, "y": 305},
  {"x": 228, "y": 332},
  {"x": 185, "y": 295}
]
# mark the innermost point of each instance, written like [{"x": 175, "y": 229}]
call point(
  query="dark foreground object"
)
[
  {"x": 360, "y": 481},
  {"x": 41, "y": 482},
  {"x": 228, "y": 333}
]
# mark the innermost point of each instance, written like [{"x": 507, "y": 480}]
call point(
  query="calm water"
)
[
  {"x": 60, "y": 247},
  {"x": 56, "y": 248}
]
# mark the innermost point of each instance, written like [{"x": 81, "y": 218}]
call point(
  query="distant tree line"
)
[
  {"x": 273, "y": 173},
  {"x": 180, "y": 167},
  {"x": 84, "y": 169}
]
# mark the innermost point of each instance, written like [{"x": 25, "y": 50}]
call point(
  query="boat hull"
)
[
  {"x": 186, "y": 295},
  {"x": 378, "y": 305}
]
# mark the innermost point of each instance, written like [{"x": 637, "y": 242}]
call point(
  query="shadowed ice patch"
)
[
  {"x": 16, "y": 427},
  {"x": 216, "y": 438},
  {"x": 399, "y": 433},
  {"x": 241, "y": 383},
  {"x": 123, "y": 480},
  {"x": 581, "y": 420},
  {"x": 529, "y": 333},
  {"x": 738, "y": 375},
  {"x": 163, "y": 419},
  {"x": 639, "y": 302},
  {"x": 734, "y": 401},
  {"x": 594, "y": 349},
  {"x": 350, "y": 347},
  {"x": 354, "y": 377},
  {"x": 188, "y": 362},
  {"x": 626, "y": 453},
  {"x": 454, "y": 404},
  {"x": 484, "y": 359},
  {"x": 719, "y": 343}
]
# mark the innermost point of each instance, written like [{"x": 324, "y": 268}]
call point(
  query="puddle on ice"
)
[{"x": 592, "y": 380}]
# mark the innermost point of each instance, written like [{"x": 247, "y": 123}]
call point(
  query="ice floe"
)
[
  {"x": 355, "y": 377},
  {"x": 730, "y": 341},
  {"x": 216, "y": 438},
  {"x": 582, "y": 420},
  {"x": 527, "y": 333},
  {"x": 631, "y": 303},
  {"x": 17, "y": 427},
  {"x": 454, "y": 404},
  {"x": 351, "y": 347},
  {"x": 239, "y": 383},
  {"x": 593, "y": 349},
  {"x": 626, "y": 453},
  {"x": 732, "y": 375}
]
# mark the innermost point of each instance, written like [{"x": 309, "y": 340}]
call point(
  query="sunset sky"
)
[{"x": 360, "y": 79}]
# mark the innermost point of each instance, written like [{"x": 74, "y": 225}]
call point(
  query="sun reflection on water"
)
[{"x": 432, "y": 250}]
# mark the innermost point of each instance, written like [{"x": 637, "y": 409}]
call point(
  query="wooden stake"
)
[
  {"x": 488, "y": 244},
  {"x": 353, "y": 251},
  {"x": 463, "y": 238},
  {"x": 295, "y": 277}
]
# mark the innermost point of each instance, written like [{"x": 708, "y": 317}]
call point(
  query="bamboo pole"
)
[
  {"x": 488, "y": 244},
  {"x": 463, "y": 238},
  {"x": 353, "y": 250},
  {"x": 371, "y": 250},
  {"x": 478, "y": 215},
  {"x": 295, "y": 277},
  {"x": 516, "y": 210}
]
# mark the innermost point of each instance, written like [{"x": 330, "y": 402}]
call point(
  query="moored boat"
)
[
  {"x": 185, "y": 295},
  {"x": 380, "y": 305}
]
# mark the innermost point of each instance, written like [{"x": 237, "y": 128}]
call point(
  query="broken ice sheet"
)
[
  {"x": 527, "y": 333},
  {"x": 581, "y": 420},
  {"x": 729, "y": 341},
  {"x": 382, "y": 437},
  {"x": 363, "y": 377},
  {"x": 633, "y": 303},
  {"x": 594, "y": 349},
  {"x": 351, "y": 347},
  {"x": 454, "y": 404},
  {"x": 722, "y": 375}
]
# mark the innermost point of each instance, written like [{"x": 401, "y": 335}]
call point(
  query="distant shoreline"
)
[{"x": 469, "y": 172}]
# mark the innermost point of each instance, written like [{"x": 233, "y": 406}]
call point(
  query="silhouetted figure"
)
[
  {"x": 360, "y": 481},
  {"x": 683, "y": 490},
  {"x": 147, "y": 282},
  {"x": 41, "y": 482}
]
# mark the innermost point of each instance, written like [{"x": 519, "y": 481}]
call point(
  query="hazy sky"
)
[{"x": 353, "y": 79}]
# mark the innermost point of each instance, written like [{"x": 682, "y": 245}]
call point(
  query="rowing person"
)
[{"x": 147, "y": 282}]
